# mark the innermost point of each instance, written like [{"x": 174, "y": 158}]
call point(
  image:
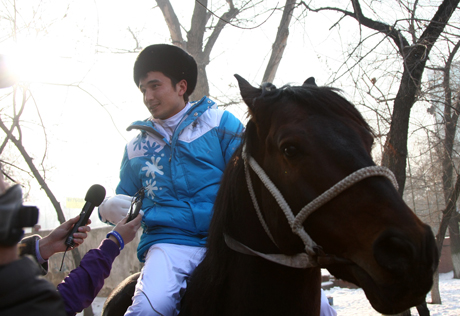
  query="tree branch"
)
[
  {"x": 438, "y": 22},
  {"x": 358, "y": 15},
  {"x": 196, "y": 33},
  {"x": 224, "y": 19},
  {"x": 280, "y": 42},
  {"x": 173, "y": 23},
  {"x": 16, "y": 116},
  {"x": 35, "y": 172},
  {"x": 447, "y": 214}
]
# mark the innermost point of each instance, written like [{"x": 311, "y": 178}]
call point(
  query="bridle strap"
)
[
  {"x": 299, "y": 260},
  {"x": 254, "y": 198},
  {"x": 296, "y": 222}
]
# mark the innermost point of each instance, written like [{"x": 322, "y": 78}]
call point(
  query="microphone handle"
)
[{"x": 84, "y": 216}]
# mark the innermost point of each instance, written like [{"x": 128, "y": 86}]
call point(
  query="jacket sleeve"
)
[
  {"x": 129, "y": 181},
  {"x": 231, "y": 131},
  {"x": 82, "y": 285}
]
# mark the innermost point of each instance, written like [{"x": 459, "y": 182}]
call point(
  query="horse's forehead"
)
[
  {"x": 294, "y": 118},
  {"x": 285, "y": 111},
  {"x": 286, "y": 114}
]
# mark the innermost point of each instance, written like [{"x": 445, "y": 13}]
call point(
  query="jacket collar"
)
[{"x": 196, "y": 110}]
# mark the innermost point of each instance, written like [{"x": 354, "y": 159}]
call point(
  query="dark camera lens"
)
[{"x": 28, "y": 216}]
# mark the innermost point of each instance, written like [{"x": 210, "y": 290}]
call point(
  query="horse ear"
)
[
  {"x": 309, "y": 82},
  {"x": 248, "y": 92}
]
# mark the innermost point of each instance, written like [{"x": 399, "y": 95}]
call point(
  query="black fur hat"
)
[{"x": 170, "y": 60}]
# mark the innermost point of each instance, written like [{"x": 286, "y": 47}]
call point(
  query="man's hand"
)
[
  {"x": 127, "y": 230},
  {"x": 55, "y": 241}
]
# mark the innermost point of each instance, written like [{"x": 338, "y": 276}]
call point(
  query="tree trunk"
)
[
  {"x": 195, "y": 37},
  {"x": 35, "y": 172},
  {"x": 173, "y": 23},
  {"x": 202, "y": 86},
  {"x": 280, "y": 42},
  {"x": 435, "y": 293},
  {"x": 448, "y": 213},
  {"x": 395, "y": 149},
  {"x": 446, "y": 216},
  {"x": 451, "y": 115},
  {"x": 455, "y": 244}
]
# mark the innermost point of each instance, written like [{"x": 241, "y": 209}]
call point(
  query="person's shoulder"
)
[
  {"x": 205, "y": 103},
  {"x": 211, "y": 112},
  {"x": 228, "y": 118},
  {"x": 140, "y": 124}
]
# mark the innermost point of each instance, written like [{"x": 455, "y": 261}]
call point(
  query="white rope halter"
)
[{"x": 295, "y": 222}]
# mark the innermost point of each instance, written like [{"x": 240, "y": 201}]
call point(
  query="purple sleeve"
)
[{"x": 82, "y": 285}]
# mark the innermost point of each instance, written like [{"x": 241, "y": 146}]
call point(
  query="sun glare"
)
[{"x": 31, "y": 63}]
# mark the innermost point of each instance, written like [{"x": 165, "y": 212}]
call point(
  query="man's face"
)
[{"x": 161, "y": 98}]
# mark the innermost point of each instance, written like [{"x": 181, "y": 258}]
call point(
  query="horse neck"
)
[
  {"x": 260, "y": 285},
  {"x": 253, "y": 282},
  {"x": 234, "y": 212}
]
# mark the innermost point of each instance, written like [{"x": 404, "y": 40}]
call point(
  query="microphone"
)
[{"x": 94, "y": 197}]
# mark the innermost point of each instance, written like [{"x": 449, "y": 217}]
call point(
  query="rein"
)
[{"x": 313, "y": 256}]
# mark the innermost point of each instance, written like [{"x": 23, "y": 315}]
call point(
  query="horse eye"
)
[{"x": 290, "y": 151}]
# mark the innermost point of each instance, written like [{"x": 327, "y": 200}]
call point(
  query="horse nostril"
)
[{"x": 394, "y": 252}]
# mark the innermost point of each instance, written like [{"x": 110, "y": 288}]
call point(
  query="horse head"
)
[{"x": 306, "y": 139}]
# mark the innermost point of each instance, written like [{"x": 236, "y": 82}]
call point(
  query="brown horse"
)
[{"x": 303, "y": 193}]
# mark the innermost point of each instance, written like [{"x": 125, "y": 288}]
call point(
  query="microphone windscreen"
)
[{"x": 95, "y": 194}]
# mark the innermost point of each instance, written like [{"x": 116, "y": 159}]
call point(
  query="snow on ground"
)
[
  {"x": 353, "y": 302},
  {"x": 348, "y": 302}
]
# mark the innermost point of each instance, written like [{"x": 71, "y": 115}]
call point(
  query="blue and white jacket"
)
[{"x": 181, "y": 176}]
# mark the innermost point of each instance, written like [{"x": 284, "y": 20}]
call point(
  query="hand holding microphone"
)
[
  {"x": 54, "y": 242},
  {"x": 94, "y": 197}
]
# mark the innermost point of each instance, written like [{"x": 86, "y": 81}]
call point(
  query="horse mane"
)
[{"x": 321, "y": 100}]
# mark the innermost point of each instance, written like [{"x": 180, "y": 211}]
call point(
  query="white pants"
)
[
  {"x": 326, "y": 309},
  {"x": 163, "y": 279}
]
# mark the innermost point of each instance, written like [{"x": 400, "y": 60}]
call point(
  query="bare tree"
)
[
  {"x": 194, "y": 42},
  {"x": 17, "y": 141},
  {"x": 205, "y": 21},
  {"x": 414, "y": 55},
  {"x": 445, "y": 94}
]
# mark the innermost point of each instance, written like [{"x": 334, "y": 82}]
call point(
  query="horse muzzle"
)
[
  {"x": 396, "y": 253},
  {"x": 402, "y": 274}
]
